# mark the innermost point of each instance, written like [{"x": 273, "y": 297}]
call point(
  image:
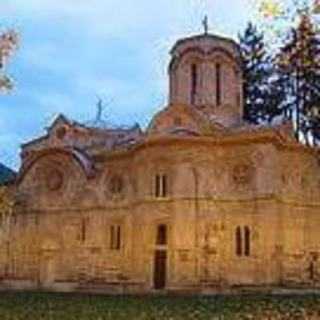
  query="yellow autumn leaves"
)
[
  {"x": 276, "y": 8},
  {"x": 9, "y": 42},
  {"x": 271, "y": 9},
  {"x": 316, "y": 7}
]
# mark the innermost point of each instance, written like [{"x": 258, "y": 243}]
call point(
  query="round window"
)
[
  {"x": 242, "y": 174},
  {"x": 54, "y": 180}
]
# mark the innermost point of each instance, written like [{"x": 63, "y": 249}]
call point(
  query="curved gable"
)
[
  {"x": 173, "y": 118},
  {"x": 81, "y": 160}
]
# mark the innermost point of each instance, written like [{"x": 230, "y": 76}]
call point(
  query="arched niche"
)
[{"x": 52, "y": 176}]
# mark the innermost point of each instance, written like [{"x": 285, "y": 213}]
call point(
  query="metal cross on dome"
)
[{"x": 205, "y": 23}]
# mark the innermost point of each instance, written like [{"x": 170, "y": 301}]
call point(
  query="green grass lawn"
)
[{"x": 36, "y": 306}]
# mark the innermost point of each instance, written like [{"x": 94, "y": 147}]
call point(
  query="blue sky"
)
[{"x": 75, "y": 50}]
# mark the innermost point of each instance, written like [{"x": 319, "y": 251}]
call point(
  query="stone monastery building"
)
[{"x": 200, "y": 201}]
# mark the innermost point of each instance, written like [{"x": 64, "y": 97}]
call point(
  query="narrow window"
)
[
  {"x": 111, "y": 237},
  {"x": 218, "y": 84},
  {"x": 194, "y": 82},
  {"x": 162, "y": 235},
  {"x": 164, "y": 185},
  {"x": 311, "y": 270},
  {"x": 161, "y": 186},
  {"x": 158, "y": 182},
  {"x": 83, "y": 231},
  {"x": 115, "y": 237},
  {"x": 238, "y": 242},
  {"x": 118, "y": 242},
  {"x": 246, "y": 241}
]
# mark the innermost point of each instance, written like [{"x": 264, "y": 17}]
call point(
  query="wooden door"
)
[
  {"x": 160, "y": 269},
  {"x": 47, "y": 272}
]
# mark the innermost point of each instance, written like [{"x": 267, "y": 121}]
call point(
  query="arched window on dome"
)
[
  {"x": 218, "y": 84},
  {"x": 194, "y": 82}
]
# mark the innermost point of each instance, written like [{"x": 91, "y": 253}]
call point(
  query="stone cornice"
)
[
  {"x": 267, "y": 135},
  {"x": 293, "y": 201}
]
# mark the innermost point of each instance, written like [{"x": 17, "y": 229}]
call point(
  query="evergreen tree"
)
[
  {"x": 260, "y": 102},
  {"x": 312, "y": 125},
  {"x": 275, "y": 100},
  {"x": 299, "y": 62}
]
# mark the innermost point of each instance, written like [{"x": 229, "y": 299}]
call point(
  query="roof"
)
[
  {"x": 95, "y": 129},
  {"x": 200, "y": 36},
  {"x": 6, "y": 175}
]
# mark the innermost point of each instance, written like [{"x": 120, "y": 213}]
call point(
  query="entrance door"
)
[
  {"x": 47, "y": 272},
  {"x": 312, "y": 268},
  {"x": 160, "y": 269}
]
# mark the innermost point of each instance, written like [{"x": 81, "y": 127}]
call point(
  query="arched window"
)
[
  {"x": 194, "y": 82},
  {"x": 238, "y": 242},
  {"x": 161, "y": 235},
  {"x": 246, "y": 241},
  {"x": 157, "y": 185},
  {"x": 164, "y": 185},
  {"x": 83, "y": 229},
  {"x": 115, "y": 237},
  {"x": 243, "y": 241},
  {"x": 218, "y": 84},
  {"x": 116, "y": 185},
  {"x": 161, "y": 188}
]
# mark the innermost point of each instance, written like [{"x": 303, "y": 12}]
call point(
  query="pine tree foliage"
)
[
  {"x": 262, "y": 90},
  {"x": 299, "y": 62}
]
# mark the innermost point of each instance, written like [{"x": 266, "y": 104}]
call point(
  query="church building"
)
[{"x": 200, "y": 201}]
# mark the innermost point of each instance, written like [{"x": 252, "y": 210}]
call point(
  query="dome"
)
[{"x": 205, "y": 73}]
